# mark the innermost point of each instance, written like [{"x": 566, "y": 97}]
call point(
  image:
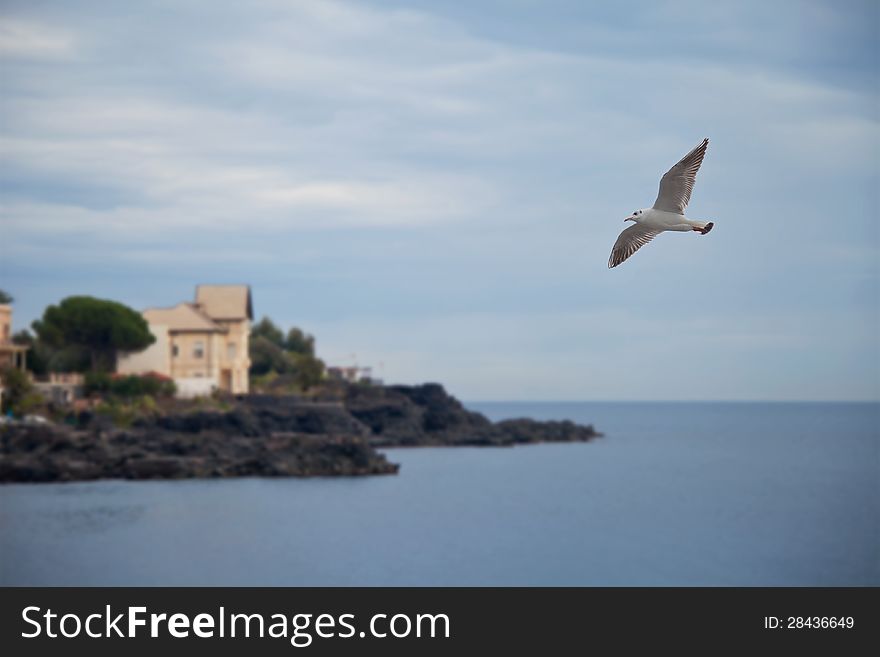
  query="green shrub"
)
[
  {"x": 32, "y": 401},
  {"x": 122, "y": 415},
  {"x": 97, "y": 383},
  {"x": 129, "y": 387},
  {"x": 147, "y": 405},
  {"x": 19, "y": 395}
]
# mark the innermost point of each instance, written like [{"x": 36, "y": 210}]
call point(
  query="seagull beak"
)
[{"x": 628, "y": 219}]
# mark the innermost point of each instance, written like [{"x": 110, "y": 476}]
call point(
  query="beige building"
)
[
  {"x": 202, "y": 345},
  {"x": 11, "y": 355}
]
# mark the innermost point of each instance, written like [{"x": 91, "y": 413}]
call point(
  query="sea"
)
[{"x": 674, "y": 494}]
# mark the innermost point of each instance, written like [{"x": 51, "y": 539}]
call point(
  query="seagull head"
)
[{"x": 634, "y": 216}]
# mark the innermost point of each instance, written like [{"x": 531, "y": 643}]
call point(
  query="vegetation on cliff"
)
[{"x": 279, "y": 360}]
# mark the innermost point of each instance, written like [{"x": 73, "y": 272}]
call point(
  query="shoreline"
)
[{"x": 265, "y": 436}]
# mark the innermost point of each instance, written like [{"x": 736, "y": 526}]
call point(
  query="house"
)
[
  {"x": 202, "y": 345},
  {"x": 351, "y": 374},
  {"x": 61, "y": 387},
  {"x": 11, "y": 355}
]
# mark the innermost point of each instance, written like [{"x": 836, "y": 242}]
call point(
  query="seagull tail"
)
[{"x": 702, "y": 227}]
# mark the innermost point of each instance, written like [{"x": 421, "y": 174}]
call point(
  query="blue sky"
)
[{"x": 433, "y": 189}]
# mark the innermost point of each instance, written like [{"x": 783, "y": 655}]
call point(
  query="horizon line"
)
[{"x": 672, "y": 401}]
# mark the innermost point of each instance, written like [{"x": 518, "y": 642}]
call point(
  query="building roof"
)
[
  {"x": 225, "y": 301},
  {"x": 182, "y": 317}
]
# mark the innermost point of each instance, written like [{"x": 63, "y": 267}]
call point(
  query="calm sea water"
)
[{"x": 675, "y": 494}]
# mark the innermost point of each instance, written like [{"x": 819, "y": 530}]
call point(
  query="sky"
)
[{"x": 433, "y": 189}]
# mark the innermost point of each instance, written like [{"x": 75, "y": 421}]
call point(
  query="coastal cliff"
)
[
  {"x": 264, "y": 435},
  {"x": 41, "y": 454},
  {"x": 426, "y": 415}
]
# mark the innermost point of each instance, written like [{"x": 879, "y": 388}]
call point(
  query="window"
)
[
  {"x": 199, "y": 349},
  {"x": 230, "y": 351},
  {"x": 174, "y": 351}
]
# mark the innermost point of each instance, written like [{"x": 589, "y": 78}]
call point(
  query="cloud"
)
[
  {"x": 387, "y": 117},
  {"x": 369, "y": 116},
  {"x": 34, "y": 40}
]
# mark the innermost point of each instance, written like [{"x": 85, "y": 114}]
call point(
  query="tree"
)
[
  {"x": 19, "y": 395},
  {"x": 38, "y": 354},
  {"x": 5, "y": 297},
  {"x": 98, "y": 327},
  {"x": 291, "y": 357},
  {"x": 266, "y": 356},
  {"x": 308, "y": 371},
  {"x": 299, "y": 342},
  {"x": 43, "y": 358},
  {"x": 266, "y": 328}
]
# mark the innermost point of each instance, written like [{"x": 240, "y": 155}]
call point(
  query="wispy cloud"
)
[{"x": 34, "y": 40}]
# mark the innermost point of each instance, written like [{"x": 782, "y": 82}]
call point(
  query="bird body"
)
[
  {"x": 668, "y": 211},
  {"x": 661, "y": 220}
]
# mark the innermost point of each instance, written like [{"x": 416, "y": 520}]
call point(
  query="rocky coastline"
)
[{"x": 338, "y": 434}]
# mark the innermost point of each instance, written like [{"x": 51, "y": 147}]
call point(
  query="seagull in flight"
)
[{"x": 668, "y": 211}]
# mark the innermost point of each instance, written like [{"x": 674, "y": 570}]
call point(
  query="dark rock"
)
[
  {"x": 401, "y": 416},
  {"x": 51, "y": 453},
  {"x": 156, "y": 467},
  {"x": 257, "y": 418},
  {"x": 238, "y": 421},
  {"x": 266, "y": 436},
  {"x": 523, "y": 430}
]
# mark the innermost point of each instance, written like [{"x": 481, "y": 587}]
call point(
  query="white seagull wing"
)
[
  {"x": 677, "y": 184},
  {"x": 630, "y": 241}
]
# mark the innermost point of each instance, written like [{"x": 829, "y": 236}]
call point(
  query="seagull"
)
[{"x": 668, "y": 211}]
